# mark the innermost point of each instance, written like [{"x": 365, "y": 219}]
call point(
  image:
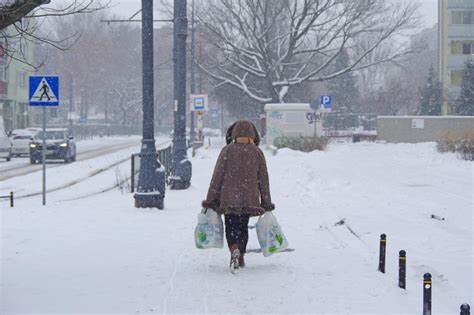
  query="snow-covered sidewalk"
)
[{"x": 102, "y": 255}]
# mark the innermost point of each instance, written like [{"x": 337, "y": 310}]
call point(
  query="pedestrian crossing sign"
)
[{"x": 44, "y": 90}]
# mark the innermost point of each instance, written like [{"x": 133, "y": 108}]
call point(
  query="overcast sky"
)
[{"x": 126, "y": 8}]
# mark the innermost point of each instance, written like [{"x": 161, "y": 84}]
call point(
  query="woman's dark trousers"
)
[{"x": 236, "y": 230}]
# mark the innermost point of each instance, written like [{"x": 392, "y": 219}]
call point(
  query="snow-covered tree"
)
[
  {"x": 431, "y": 95},
  {"x": 465, "y": 102},
  {"x": 343, "y": 89},
  {"x": 267, "y": 48}
]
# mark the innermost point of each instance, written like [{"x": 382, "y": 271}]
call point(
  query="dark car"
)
[{"x": 60, "y": 145}]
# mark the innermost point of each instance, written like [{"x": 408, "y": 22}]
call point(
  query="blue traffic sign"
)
[
  {"x": 214, "y": 112},
  {"x": 44, "y": 91},
  {"x": 199, "y": 103},
  {"x": 325, "y": 101}
]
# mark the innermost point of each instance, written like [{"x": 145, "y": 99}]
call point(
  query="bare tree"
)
[
  {"x": 12, "y": 11},
  {"x": 267, "y": 48},
  {"x": 28, "y": 19}
]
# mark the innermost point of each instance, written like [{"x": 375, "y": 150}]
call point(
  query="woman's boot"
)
[
  {"x": 234, "y": 258},
  {"x": 241, "y": 261}
]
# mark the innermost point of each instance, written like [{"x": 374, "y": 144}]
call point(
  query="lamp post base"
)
[
  {"x": 178, "y": 184},
  {"x": 149, "y": 201},
  {"x": 181, "y": 175}
]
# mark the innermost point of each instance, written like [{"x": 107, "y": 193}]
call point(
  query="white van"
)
[
  {"x": 5, "y": 143},
  {"x": 292, "y": 120}
]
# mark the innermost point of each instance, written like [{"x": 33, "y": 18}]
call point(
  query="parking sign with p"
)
[{"x": 325, "y": 101}]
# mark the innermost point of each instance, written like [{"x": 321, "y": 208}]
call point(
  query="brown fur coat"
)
[{"x": 240, "y": 183}]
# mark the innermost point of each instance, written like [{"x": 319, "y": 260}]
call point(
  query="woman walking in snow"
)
[{"x": 239, "y": 187}]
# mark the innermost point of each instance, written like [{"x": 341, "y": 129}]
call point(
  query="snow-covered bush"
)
[
  {"x": 461, "y": 143},
  {"x": 305, "y": 144}
]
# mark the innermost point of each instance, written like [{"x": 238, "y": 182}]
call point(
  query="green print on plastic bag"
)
[
  {"x": 272, "y": 249},
  {"x": 279, "y": 239},
  {"x": 202, "y": 236}
]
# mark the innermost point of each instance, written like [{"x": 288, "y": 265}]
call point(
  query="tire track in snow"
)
[
  {"x": 84, "y": 178},
  {"x": 206, "y": 280},
  {"x": 77, "y": 181},
  {"x": 171, "y": 282},
  {"x": 22, "y": 169}
]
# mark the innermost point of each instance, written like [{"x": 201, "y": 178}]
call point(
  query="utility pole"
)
[
  {"x": 192, "y": 134},
  {"x": 151, "y": 179},
  {"x": 181, "y": 167},
  {"x": 71, "y": 99}
]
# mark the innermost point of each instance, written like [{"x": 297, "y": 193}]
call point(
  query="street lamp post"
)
[
  {"x": 151, "y": 179},
  {"x": 181, "y": 167},
  {"x": 192, "y": 134},
  {"x": 71, "y": 99}
]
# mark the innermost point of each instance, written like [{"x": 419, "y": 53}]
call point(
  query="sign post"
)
[
  {"x": 44, "y": 91},
  {"x": 326, "y": 101},
  {"x": 199, "y": 103},
  {"x": 315, "y": 106}
]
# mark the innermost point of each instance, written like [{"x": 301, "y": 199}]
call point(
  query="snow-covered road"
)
[
  {"x": 85, "y": 150},
  {"x": 101, "y": 255}
]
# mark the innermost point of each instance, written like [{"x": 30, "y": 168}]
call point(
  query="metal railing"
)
[
  {"x": 10, "y": 196},
  {"x": 346, "y": 124},
  {"x": 163, "y": 156}
]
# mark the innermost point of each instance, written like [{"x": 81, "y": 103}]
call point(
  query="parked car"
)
[
  {"x": 34, "y": 129},
  {"x": 5, "y": 143},
  {"x": 21, "y": 145},
  {"x": 60, "y": 144},
  {"x": 19, "y": 132}
]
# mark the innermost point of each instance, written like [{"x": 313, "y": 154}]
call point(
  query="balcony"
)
[
  {"x": 3, "y": 89},
  {"x": 460, "y": 4},
  {"x": 458, "y": 61},
  {"x": 461, "y": 31}
]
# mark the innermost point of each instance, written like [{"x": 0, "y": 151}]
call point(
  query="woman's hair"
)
[{"x": 229, "y": 137}]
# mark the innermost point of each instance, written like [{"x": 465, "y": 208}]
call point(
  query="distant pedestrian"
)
[{"x": 239, "y": 187}]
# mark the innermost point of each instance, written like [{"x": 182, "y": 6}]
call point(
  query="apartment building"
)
[
  {"x": 456, "y": 46},
  {"x": 14, "y": 80}
]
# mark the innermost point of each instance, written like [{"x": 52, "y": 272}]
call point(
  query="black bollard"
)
[
  {"x": 427, "y": 294},
  {"x": 383, "y": 246},
  {"x": 11, "y": 199},
  {"x": 402, "y": 269},
  {"x": 465, "y": 309}
]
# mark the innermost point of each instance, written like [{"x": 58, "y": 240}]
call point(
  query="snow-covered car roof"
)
[
  {"x": 21, "y": 132},
  {"x": 287, "y": 106},
  {"x": 56, "y": 129}
]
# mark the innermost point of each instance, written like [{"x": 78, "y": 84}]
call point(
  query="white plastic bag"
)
[
  {"x": 270, "y": 236},
  {"x": 209, "y": 232}
]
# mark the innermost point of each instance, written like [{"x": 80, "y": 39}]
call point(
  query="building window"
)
[
  {"x": 22, "y": 79},
  {"x": 456, "y": 17},
  {"x": 462, "y": 47},
  {"x": 467, "y": 17},
  {"x": 456, "y": 77},
  {"x": 466, "y": 49},
  {"x": 456, "y": 47},
  {"x": 3, "y": 55},
  {"x": 462, "y": 17}
]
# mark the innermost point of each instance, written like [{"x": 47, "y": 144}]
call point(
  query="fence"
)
[
  {"x": 362, "y": 126},
  {"x": 10, "y": 196},
  {"x": 164, "y": 156},
  {"x": 341, "y": 124},
  {"x": 88, "y": 131}
]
